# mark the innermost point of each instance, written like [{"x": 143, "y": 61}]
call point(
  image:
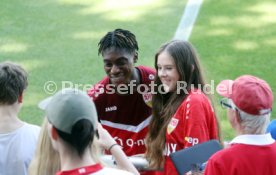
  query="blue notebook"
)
[{"x": 186, "y": 159}]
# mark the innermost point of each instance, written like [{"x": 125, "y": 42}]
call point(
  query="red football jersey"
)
[
  {"x": 125, "y": 117},
  {"x": 194, "y": 122}
]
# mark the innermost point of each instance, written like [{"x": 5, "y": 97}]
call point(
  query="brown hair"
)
[{"x": 13, "y": 81}]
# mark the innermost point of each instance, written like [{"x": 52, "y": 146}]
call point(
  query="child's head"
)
[
  {"x": 13, "y": 81},
  {"x": 72, "y": 117}
]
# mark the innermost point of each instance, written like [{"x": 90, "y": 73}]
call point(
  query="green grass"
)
[
  {"x": 56, "y": 40},
  {"x": 235, "y": 38}
]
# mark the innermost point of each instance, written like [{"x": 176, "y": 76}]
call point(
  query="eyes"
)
[
  {"x": 168, "y": 68},
  {"x": 118, "y": 63}
]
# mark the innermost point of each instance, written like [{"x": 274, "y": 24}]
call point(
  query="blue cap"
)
[{"x": 272, "y": 129}]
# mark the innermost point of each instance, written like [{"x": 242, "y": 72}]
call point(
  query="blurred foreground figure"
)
[{"x": 17, "y": 138}]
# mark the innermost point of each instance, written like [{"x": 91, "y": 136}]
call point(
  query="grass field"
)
[
  {"x": 235, "y": 38},
  {"x": 56, "y": 40}
]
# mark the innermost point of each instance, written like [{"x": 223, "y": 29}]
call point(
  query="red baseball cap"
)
[{"x": 250, "y": 94}]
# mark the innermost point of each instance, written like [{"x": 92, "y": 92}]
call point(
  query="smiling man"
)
[{"x": 122, "y": 98}]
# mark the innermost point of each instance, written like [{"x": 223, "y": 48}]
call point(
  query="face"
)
[
  {"x": 119, "y": 66},
  {"x": 167, "y": 71}
]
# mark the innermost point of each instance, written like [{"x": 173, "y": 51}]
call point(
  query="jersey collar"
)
[
  {"x": 264, "y": 139},
  {"x": 82, "y": 171}
]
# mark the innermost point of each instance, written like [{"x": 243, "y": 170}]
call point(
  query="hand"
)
[
  {"x": 195, "y": 173},
  {"x": 105, "y": 139}
]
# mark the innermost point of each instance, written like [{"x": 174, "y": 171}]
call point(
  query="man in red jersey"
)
[
  {"x": 123, "y": 98},
  {"x": 249, "y": 101}
]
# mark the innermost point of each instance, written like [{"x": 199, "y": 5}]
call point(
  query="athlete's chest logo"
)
[
  {"x": 147, "y": 97},
  {"x": 172, "y": 125},
  {"x": 111, "y": 108}
]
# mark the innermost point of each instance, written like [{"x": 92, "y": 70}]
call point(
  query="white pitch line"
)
[{"x": 188, "y": 19}]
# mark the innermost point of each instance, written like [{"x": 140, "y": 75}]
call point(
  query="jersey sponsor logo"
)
[
  {"x": 170, "y": 148},
  {"x": 191, "y": 140},
  {"x": 172, "y": 125},
  {"x": 129, "y": 142},
  {"x": 112, "y": 108}
]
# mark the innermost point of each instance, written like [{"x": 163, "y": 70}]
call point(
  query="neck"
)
[
  {"x": 71, "y": 160},
  {"x": 8, "y": 118}
]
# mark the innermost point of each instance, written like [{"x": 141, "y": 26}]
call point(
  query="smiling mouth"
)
[
  {"x": 165, "y": 82},
  {"x": 117, "y": 79}
]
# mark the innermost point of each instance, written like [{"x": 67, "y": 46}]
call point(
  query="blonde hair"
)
[{"x": 46, "y": 160}]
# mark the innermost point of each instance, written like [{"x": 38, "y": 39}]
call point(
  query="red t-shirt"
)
[
  {"x": 194, "y": 122},
  {"x": 125, "y": 117},
  {"x": 245, "y": 158}
]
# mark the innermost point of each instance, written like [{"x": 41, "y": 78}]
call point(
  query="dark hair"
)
[
  {"x": 82, "y": 135},
  {"x": 13, "y": 81},
  {"x": 119, "y": 39},
  {"x": 165, "y": 105}
]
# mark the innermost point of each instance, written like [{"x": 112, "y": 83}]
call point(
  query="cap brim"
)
[
  {"x": 44, "y": 103},
  {"x": 224, "y": 88}
]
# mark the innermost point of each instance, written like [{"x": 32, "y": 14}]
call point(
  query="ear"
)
[
  {"x": 54, "y": 133},
  {"x": 237, "y": 117},
  {"x": 135, "y": 57},
  {"x": 20, "y": 98}
]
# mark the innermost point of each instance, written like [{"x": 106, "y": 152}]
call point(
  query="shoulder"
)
[
  {"x": 195, "y": 98},
  {"x": 98, "y": 88},
  {"x": 216, "y": 163},
  {"x": 31, "y": 128},
  {"x": 229, "y": 153},
  {"x": 147, "y": 74},
  {"x": 146, "y": 69},
  {"x": 30, "y": 133}
]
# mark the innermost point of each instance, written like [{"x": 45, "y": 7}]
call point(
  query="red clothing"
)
[
  {"x": 95, "y": 169},
  {"x": 255, "y": 157},
  {"x": 82, "y": 171},
  {"x": 194, "y": 122},
  {"x": 125, "y": 117}
]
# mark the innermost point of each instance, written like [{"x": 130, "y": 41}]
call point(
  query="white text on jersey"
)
[
  {"x": 112, "y": 108},
  {"x": 170, "y": 148}
]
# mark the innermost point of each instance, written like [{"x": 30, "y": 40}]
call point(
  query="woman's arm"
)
[{"x": 108, "y": 143}]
